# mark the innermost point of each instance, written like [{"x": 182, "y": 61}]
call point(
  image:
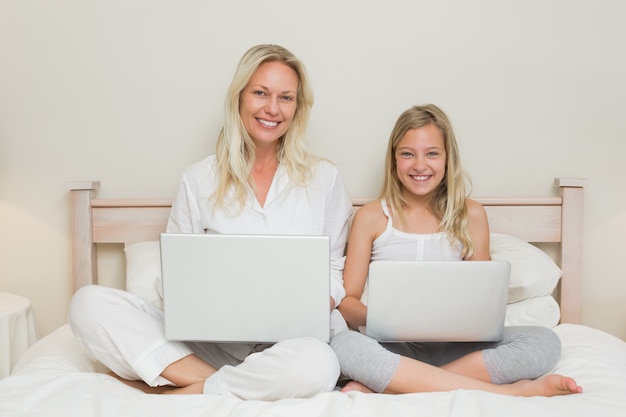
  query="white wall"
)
[{"x": 130, "y": 92}]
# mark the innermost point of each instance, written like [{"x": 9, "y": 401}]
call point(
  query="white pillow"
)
[
  {"x": 143, "y": 271},
  {"x": 533, "y": 272},
  {"x": 537, "y": 311}
]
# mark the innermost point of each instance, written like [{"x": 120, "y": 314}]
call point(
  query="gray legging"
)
[{"x": 525, "y": 352}]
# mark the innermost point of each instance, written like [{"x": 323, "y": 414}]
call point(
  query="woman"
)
[
  {"x": 261, "y": 180},
  {"x": 424, "y": 214}
]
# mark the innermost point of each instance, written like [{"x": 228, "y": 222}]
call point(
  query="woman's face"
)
[
  {"x": 421, "y": 160},
  {"x": 268, "y": 103}
]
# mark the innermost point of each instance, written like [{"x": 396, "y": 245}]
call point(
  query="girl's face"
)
[
  {"x": 268, "y": 103},
  {"x": 421, "y": 160}
]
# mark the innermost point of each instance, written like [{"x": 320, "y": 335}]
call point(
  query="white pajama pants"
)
[{"x": 126, "y": 334}]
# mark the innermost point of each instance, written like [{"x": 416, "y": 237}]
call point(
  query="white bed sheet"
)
[{"x": 54, "y": 378}]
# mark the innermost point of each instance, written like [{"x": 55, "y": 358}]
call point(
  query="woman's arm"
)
[
  {"x": 184, "y": 215},
  {"x": 368, "y": 223}
]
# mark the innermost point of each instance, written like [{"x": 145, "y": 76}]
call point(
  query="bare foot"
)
[
  {"x": 142, "y": 386},
  {"x": 356, "y": 386},
  {"x": 195, "y": 388},
  {"x": 547, "y": 386}
]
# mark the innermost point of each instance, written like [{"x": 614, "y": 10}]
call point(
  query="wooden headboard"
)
[{"x": 557, "y": 219}]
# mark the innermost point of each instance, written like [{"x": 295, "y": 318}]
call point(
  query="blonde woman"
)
[
  {"x": 424, "y": 214},
  {"x": 261, "y": 180}
]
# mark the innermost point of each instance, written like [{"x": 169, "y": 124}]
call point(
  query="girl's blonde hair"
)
[
  {"x": 448, "y": 201},
  {"x": 235, "y": 150}
]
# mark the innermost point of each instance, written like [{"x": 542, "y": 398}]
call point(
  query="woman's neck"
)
[
  {"x": 265, "y": 157},
  {"x": 263, "y": 170}
]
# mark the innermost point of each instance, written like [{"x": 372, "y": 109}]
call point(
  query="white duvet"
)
[{"x": 54, "y": 378}]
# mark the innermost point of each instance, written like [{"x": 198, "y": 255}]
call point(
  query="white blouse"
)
[{"x": 321, "y": 208}]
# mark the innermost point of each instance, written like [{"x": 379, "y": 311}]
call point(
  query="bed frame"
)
[{"x": 557, "y": 219}]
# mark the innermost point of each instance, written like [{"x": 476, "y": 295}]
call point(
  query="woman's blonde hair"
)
[
  {"x": 448, "y": 201},
  {"x": 235, "y": 150}
]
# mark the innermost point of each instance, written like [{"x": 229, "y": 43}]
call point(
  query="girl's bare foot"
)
[
  {"x": 547, "y": 386},
  {"x": 356, "y": 386}
]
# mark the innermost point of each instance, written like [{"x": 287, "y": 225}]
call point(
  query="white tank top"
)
[{"x": 395, "y": 245}]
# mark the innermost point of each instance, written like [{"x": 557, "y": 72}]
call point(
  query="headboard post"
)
[
  {"x": 84, "y": 258},
  {"x": 571, "y": 248}
]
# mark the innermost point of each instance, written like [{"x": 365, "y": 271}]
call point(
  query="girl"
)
[{"x": 423, "y": 214}]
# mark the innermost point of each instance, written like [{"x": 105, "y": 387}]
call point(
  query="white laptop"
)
[
  {"x": 437, "y": 301},
  {"x": 245, "y": 288}
]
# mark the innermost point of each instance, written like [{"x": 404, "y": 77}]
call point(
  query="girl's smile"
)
[{"x": 421, "y": 160}]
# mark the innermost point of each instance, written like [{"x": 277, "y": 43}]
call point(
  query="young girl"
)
[{"x": 424, "y": 215}]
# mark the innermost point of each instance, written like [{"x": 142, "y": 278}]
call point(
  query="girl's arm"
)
[
  {"x": 365, "y": 228},
  {"x": 479, "y": 230},
  {"x": 337, "y": 214}
]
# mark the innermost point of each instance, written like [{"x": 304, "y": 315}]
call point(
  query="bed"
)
[{"x": 55, "y": 378}]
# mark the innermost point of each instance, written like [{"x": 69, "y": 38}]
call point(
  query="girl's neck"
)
[
  {"x": 417, "y": 216},
  {"x": 417, "y": 202}
]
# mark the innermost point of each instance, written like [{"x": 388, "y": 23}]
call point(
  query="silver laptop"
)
[
  {"x": 437, "y": 301},
  {"x": 245, "y": 288}
]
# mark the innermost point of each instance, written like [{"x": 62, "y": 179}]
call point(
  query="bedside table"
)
[{"x": 17, "y": 330}]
